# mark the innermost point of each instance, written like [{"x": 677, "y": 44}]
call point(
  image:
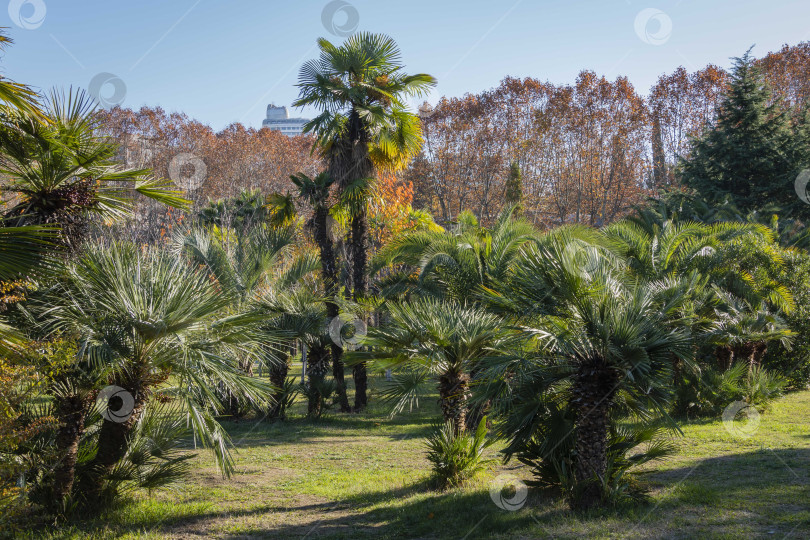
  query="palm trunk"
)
[
  {"x": 113, "y": 440},
  {"x": 349, "y": 161},
  {"x": 454, "y": 392},
  {"x": 70, "y": 411},
  {"x": 318, "y": 368},
  {"x": 725, "y": 357},
  {"x": 360, "y": 282},
  {"x": 592, "y": 396},
  {"x": 278, "y": 376},
  {"x": 760, "y": 348},
  {"x": 329, "y": 273}
]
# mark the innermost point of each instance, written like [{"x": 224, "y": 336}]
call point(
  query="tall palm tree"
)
[
  {"x": 316, "y": 192},
  {"x": 151, "y": 323},
  {"x": 364, "y": 125}
]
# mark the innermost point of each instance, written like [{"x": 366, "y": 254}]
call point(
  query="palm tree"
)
[
  {"x": 739, "y": 262},
  {"x": 301, "y": 316},
  {"x": 597, "y": 334},
  {"x": 60, "y": 171},
  {"x": 456, "y": 264},
  {"x": 442, "y": 340},
  {"x": 28, "y": 248},
  {"x": 364, "y": 125},
  {"x": 741, "y": 332},
  {"x": 316, "y": 192},
  {"x": 241, "y": 261},
  {"x": 151, "y": 324}
]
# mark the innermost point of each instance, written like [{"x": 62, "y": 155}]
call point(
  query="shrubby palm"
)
[
  {"x": 454, "y": 264},
  {"x": 245, "y": 262},
  {"x": 440, "y": 340},
  {"x": 301, "y": 316},
  {"x": 61, "y": 171},
  {"x": 153, "y": 325},
  {"x": 598, "y": 335}
]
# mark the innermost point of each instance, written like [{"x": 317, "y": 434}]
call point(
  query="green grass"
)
[{"x": 365, "y": 476}]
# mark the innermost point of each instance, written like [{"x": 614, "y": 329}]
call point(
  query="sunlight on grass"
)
[{"x": 366, "y": 477}]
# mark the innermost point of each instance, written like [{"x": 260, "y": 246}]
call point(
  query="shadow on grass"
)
[
  {"x": 247, "y": 433},
  {"x": 761, "y": 493},
  {"x": 755, "y": 494}
]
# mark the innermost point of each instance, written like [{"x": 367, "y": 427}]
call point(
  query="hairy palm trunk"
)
[
  {"x": 454, "y": 392},
  {"x": 316, "y": 374},
  {"x": 70, "y": 411},
  {"x": 760, "y": 348},
  {"x": 360, "y": 259},
  {"x": 752, "y": 353},
  {"x": 349, "y": 161},
  {"x": 592, "y": 396},
  {"x": 113, "y": 439},
  {"x": 330, "y": 279},
  {"x": 278, "y": 376},
  {"x": 725, "y": 356}
]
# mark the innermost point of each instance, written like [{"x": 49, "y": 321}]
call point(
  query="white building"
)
[{"x": 278, "y": 119}]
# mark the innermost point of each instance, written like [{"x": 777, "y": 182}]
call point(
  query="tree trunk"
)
[
  {"x": 278, "y": 376},
  {"x": 70, "y": 411},
  {"x": 349, "y": 161},
  {"x": 725, "y": 357},
  {"x": 592, "y": 396},
  {"x": 760, "y": 348},
  {"x": 113, "y": 441},
  {"x": 360, "y": 282},
  {"x": 318, "y": 368},
  {"x": 330, "y": 280},
  {"x": 454, "y": 392}
]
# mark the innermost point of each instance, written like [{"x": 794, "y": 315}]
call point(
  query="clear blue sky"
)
[{"x": 223, "y": 61}]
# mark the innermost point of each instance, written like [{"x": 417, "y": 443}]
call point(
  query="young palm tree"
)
[
  {"x": 301, "y": 316},
  {"x": 443, "y": 340},
  {"x": 364, "y": 125},
  {"x": 60, "y": 170},
  {"x": 454, "y": 264},
  {"x": 241, "y": 261},
  {"x": 742, "y": 332},
  {"x": 151, "y": 324},
  {"x": 598, "y": 332}
]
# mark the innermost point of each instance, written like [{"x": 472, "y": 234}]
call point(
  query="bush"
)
[
  {"x": 457, "y": 456},
  {"x": 709, "y": 391},
  {"x": 794, "y": 363},
  {"x": 318, "y": 392}
]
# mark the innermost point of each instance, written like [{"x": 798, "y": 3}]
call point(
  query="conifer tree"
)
[
  {"x": 753, "y": 153},
  {"x": 514, "y": 188}
]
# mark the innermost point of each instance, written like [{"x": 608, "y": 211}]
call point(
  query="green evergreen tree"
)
[
  {"x": 753, "y": 153},
  {"x": 514, "y": 188}
]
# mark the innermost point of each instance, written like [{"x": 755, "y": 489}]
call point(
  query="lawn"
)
[{"x": 365, "y": 476}]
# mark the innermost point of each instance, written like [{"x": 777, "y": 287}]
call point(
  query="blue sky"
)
[{"x": 223, "y": 61}]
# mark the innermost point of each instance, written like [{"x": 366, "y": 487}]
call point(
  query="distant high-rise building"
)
[{"x": 278, "y": 119}]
